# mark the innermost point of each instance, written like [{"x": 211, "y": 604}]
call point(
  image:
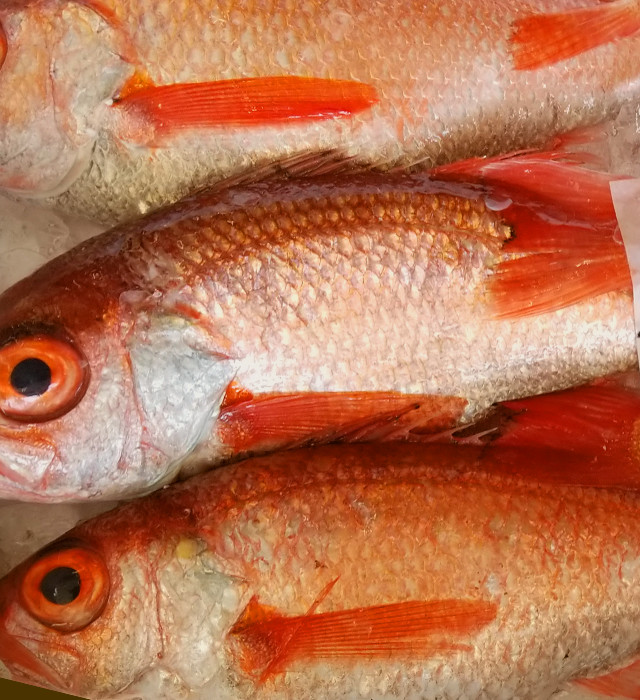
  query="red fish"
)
[
  {"x": 279, "y": 313},
  {"x": 116, "y": 106},
  {"x": 389, "y": 571}
]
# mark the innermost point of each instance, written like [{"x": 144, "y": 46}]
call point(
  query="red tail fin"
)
[{"x": 566, "y": 245}]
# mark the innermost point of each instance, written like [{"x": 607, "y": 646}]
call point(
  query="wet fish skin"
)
[
  {"x": 556, "y": 566},
  {"x": 444, "y": 93},
  {"x": 368, "y": 283}
]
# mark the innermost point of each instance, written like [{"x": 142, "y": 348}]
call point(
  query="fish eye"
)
[
  {"x": 66, "y": 588},
  {"x": 41, "y": 377}
]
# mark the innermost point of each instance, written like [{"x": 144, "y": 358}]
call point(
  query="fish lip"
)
[
  {"x": 22, "y": 663},
  {"x": 16, "y": 487},
  {"x": 32, "y": 670}
]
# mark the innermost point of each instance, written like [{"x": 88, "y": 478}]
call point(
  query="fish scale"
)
[
  {"x": 316, "y": 289},
  {"x": 556, "y": 566},
  {"x": 443, "y": 93}
]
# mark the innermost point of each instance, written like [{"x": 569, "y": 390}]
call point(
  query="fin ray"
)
[
  {"x": 545, "y": 39},
  {"x": 272, "y": 420},
  {"x": 411, "y": 629},
  {"x": 154, "y": 113}
]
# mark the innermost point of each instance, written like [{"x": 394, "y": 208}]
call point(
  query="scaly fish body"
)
[
  {"x": 381, "y": 572},
  {"x": 443, "y": 75},
  {"x": 273, "y": 314}
]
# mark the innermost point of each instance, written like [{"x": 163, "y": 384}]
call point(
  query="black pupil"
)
[
  {"x": 61, "y": 586},
  {"x": 31, "y": 377}
]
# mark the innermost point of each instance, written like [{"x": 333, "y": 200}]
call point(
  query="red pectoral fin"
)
[
  {"x": 542, "y": 40},
  {"x": 152, "y": 114},
  {"x": 285, "y": 420},
  {"x": 268, "y": 643},
  {"x": 624, "y": 683}
]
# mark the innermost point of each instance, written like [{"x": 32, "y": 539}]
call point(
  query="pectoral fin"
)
[
  {"x": 267, "y": 643},
  {"x": 623, "y": 683},
  {"x": 269, "y": 421},
  {"x": 152, "y": 114}
]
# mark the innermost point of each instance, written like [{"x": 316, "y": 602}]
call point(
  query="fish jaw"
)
[{"x": 53, "y": 98}]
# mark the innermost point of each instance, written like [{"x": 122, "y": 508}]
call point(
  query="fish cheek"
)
[
  {"x": 49, "y": 103},
  {"x": 57, "y": 459}
]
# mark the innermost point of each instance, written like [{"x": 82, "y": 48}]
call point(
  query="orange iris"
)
[
  {"x": 66, "y": 588},
  {"x": 41, "y": 378}
]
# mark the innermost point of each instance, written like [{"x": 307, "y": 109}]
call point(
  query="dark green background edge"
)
[{"x": 10, "y": 690}]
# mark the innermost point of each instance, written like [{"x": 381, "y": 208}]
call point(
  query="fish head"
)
[
  {"x": 59, "y": 63},
  {"x": 103, "y": 394},
  {"x": 79, "y": 617},
  {"x": 120, "y": 607}
]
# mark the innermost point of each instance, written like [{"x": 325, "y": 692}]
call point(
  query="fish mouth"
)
[
  {"x": 17, "y": 487},
  {"x": 26, "y": 667}
]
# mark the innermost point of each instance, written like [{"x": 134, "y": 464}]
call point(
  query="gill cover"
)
[
  {"x": 59, "y": 66},
  {"x": 180, "y": 377}
]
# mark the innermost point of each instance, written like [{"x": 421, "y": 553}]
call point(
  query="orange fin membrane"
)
[
  {"x": 275, "y": 420},
  {"x": 623, "y": 683},
  {"x": 566, "y": 246},
  {"x": 153, "y": 114},
  {"x": 587, "y": 436},
  {"x": 542, "y": 40},
  {"x": 268, "y": 643}
]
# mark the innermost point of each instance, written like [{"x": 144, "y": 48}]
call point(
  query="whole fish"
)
[
  {"x": 344, "y": 571},
  {"x": 116, "y": 106},
  {"x": 281, "y": 312}
]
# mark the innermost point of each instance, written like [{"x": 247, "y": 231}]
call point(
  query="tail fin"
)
[
  {"x": 566, "y": 245},
  {"x": 586, "y": 436}
]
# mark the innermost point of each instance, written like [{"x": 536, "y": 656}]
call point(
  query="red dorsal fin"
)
[
  {"x": 152, "y": 114},
  {"x": 270, "y": 421},
  {"x": 587, "y": 436},
  {"x": 545, "y": 39},
  {"x": 554, "y": 177},
  {"x": 566, "y": 243},
  {"x": 624, "y": 683},
  {"x": 268, "y": 644}
]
